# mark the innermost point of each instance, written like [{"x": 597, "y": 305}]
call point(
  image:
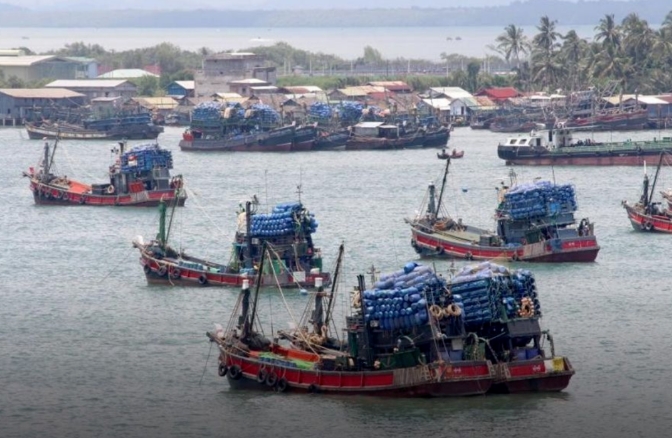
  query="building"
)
[
  {"x": 499, "y": 94},
  {"x": 127, "y": 73},
  {"x": 393, "y": 86},
  {"x": 222, "y": 69},
  {"x": 20, "y": 103},
  {"x": 87, "y": 68},
  {"x": 181, "y": 89},
  {"x": 359, "y": 93},
  {"x": 94, "y": 88},
  {"x": 449, "y": 92},
  {"x": 35, "y": 68},
  {"x": 244, "y": 86}
]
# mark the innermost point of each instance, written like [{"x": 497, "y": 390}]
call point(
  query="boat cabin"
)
[
  {"x": 377, "y": 130},
  {"x": 557, "y": 138}
]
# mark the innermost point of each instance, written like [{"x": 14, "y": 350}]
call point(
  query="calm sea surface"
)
[
  {"x": 411, "y": 43},
  {"x": 88, "y": 349}
]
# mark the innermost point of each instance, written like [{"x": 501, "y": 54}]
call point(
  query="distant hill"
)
[
  {"x": 520, "y": 13},
  {"x": 8, "y": 7}
]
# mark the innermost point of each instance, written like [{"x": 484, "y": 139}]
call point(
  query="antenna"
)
[
  {"x": 299, "y": 187},
  {"x": 266, "y": 184}
]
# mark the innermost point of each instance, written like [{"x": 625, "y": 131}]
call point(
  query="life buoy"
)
[
  {"x": 453, "y": 310},
  {"x": 110, "y": 189},
  {"x": 648, "y": 226},
  {"x": 271, "y": 379},
  {"x": 82, "y": 200},
  {"x": 235, "y": 372},
  {"x": 515, "y": 257},
  {"x": 436, "y": 311},
  {"x": 175, "y": 273},
  {"x": 202, "y": 280},
  {"x": 526, "y": 308},
  {"x": 261, "y": 376},
  {"x": 147, "y": 269},
  {"x": 221, "y": 370},
  {"x": 282, "y": 385},
  {"x": 469, "y": 255},
  {"x": 162, "y": 271}
]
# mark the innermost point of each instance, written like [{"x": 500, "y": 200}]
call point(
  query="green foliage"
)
[{"x": 147, "y": 85}]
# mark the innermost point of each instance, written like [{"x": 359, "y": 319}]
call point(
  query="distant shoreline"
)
[{"x": 520, "y": 13}]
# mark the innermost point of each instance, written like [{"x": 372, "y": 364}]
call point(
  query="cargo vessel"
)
[
  {"x": 534, "y": 222},
  {"x": 560, "y": 148}
]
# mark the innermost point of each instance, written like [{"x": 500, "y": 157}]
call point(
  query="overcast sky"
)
[{"x": 243, "y": 4}]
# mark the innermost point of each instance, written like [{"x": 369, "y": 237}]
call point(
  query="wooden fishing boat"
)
[
  {"x": 503, "y": 306},
  {"x": 130, "y": 127},
  {"x": 562, "y": 150},
  {"x": 140, "y": 177},
  {"x": 649, "y": 216},
  {"x": 454, "y": 154},
  {"x": 298, "y": 265},
  {"x": 380, "y": 357},
  {"x": 331, "y": 140},
  {"x": 275, "y": 140},
  {"x": 304, "y": 138},
  {"x": 543, "y": 231},
  {"x": 437, "y": 137}
]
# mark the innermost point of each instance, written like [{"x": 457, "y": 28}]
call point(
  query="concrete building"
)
[
  {"x": 127, "y": 73},
  {"x": 220, "y": 70},
  {"x": 94, "y": 88},
  {"x": 35, "y": 68},
  {"x": 17, "y": 104},
  {"x": 87, "y": 68}
]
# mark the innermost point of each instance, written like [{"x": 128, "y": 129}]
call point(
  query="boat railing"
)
[{"x": 620, "y": 146}]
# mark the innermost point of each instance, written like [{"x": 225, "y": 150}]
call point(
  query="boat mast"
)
[
  {"x": 247, "y": 325},
  {"x": 334, "y": 281},
  {"x": 443, "y": 186},
  {"x": 367, "y": 337},
  {"x": 161, "y": 237},
  {"x": 248, "y": 235},
  {"x": 649, "y": 195}
]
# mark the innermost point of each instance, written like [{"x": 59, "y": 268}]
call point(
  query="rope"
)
[
  {"x": 117, "y": 265},
  {"x": 205, "y": 367}
]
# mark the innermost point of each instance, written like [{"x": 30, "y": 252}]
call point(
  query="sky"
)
[{"x": 241, "y": 4}]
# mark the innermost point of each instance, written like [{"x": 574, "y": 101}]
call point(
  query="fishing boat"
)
[
  {"x": 534, "y": 222},
  {"x": 304, "y": 138},
  {"x": 561, "y": 149},
  {"x": 126, "y": 127},
  {"x": 381, "y": 136},
  {"x": 649, "y": 216},
  {"x": 139, "y": 177},
  {"x": 611, "y": 120},
  {"x": 289, "y": 228},
  {"x": 437, "y": 137},
  {"x": 503, "y": 306},
  {"x": 454, "y": 154},
  {"x": 407, "y": 355},
  {"x": 274, "y": 140},
  {"x": 331, "y": 140}
]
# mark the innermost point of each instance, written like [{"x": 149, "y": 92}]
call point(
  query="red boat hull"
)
[
  {"x": 302, "y": 146},
  {"x": 50, "y": 195},
  {"x": 648, "y": 223},
  {"x": 581, "y": 249},
  {"x": 531, "y": 376},
  {"x": 457, "y": 379},
  {"x": 173, "y": 275}
]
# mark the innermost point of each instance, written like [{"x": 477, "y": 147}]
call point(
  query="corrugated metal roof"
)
[
  {"x": 87, "y": 83},
  {"x": 369, "y": 124},
  {"x": 652, "y": 100},
  {"x": 167, "y": 103},
  {"x": 452, "y": 92},
  {"x": 615, "y": 100},
  {"x": 106, "y": 99},
  {"x": 440, "y": 103},
  {"x": 362, "y": 90},
  {"x": 24, "y": 61},
  {"x": 40, "y": 93},
  {"x": 229, "y": 95},
  {"x": 127, "y": 73},
  {"x": 304, "y": 89},
  {"x": 248, "y": 81},
  {"x": 467, "y": 101},
  {"x": 665, "y": 97},
  {"x": 187, "y": 85},
  {"x": 392, "y": 85}
]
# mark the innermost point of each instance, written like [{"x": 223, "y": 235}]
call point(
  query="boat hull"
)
[
  {"x": 457, "y": 379},
  {"x": 623, "y": 155},
  {"x": 648, "y": 223},
  {"x": 535, "y": 375},
  {"x": 45, "y": 194},
  {"x": 332, "y": 141},
  {"x": 581, "y": 249},
  {"x": 168, "y": 273},
  {"x": 278, "y": 140},
  {"x": 148, "y": 132},
  {"x": 437, "y": 138}
]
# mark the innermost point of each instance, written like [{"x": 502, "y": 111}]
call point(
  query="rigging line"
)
[
  {"x": 73, "y": 168},
  {"x": 193, "y": 196},
  {"x": 205, "y": 367},
  {"x": 132, "y": 248}
]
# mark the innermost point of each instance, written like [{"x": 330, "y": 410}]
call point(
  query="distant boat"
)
[
  {"x": 25, "y": 38},
  {"x": 458, "y": 38},
  {"x": 449, "y": 39}
]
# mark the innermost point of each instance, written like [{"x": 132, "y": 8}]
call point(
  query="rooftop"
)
[
  {"x": 187, "y": 85},
  {"x": 249, "y": 81},
  {"x": 127, "y": 73},
  {"x": 40, "y": 93},
  {"x": 87, "y": 83},
  {"x": 26, "y": 61}
]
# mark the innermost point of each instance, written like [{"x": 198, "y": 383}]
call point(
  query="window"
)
[{"x": 513, "y": 141}]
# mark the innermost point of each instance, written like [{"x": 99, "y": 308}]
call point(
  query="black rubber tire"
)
[
  {"x": 222, "y": 370},
  {"x": 261, "y": 376},
  {"x": 272, "y": 379},
  {"x": 282, "y": 385},
  {"x": 235, "y": 372}
]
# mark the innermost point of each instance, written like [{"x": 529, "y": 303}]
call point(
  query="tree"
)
[
  {"x": 147, "y": 85},
  {"x": 372, "y": 56},
  {"x": 512, "y": 43},
  {"x": 545, "y": 67},
  {"x": 473, "y": 68}
]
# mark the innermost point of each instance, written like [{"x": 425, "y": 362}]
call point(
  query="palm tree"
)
[
  {"x": 544, "y": 65},
  {"x": 573, "y": 53},
  {"x": 608, "y": 32},
  {"x": 512, "y": 43}
]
